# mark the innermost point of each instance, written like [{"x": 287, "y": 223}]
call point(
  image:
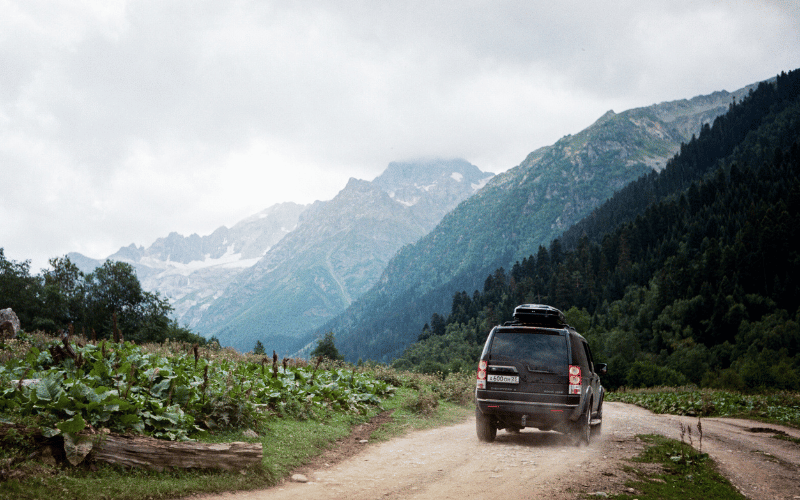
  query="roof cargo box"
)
[{"x": 538, "y": 314}]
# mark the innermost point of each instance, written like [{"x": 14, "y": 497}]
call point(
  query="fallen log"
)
[{"x": 157, "y": 454}]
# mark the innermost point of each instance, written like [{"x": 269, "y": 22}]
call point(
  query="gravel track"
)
[{"x": 450, "y": 463}]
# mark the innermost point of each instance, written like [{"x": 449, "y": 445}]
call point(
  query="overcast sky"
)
[{"x": 123, "y": 121}]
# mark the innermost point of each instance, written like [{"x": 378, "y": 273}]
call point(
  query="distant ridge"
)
[
  {"x": 289, "y": 268},
  {"x": 338, "y": 252}
]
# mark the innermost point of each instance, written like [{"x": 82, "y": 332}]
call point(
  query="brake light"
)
[
  {"x": 481, "y": 383},
  {"x": 575, "y": 379}
]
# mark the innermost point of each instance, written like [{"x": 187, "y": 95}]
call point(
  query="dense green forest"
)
[
  {"x": 527, "y": 206},
  {"x": 102, "y": 304},
  {"x": 686, "y": 276}
]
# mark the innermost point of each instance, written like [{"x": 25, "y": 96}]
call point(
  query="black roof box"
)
[{"x": 540, "y": 315}]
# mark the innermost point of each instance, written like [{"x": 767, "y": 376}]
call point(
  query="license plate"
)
[{"x": 503, "y": 379}]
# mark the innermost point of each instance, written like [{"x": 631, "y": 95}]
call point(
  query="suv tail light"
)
[
  {"x": 575, "y": 379},
  {"x": 482, "y": 374}
]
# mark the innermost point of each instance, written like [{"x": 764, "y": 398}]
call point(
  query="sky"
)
[{"x": 123, "y": 121}]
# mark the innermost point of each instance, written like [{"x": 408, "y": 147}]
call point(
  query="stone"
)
[
  {"x": 9, "y": 323},
  {"x": 299, "y": 478}
]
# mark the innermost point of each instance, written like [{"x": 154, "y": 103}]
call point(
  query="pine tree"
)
[
  {"x": 326, "y": 347},
  {"x": 259, "y": 348}
]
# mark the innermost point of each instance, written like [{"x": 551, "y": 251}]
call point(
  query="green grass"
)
[
  {"x": 779, "y": 407},
  {"x": 292, "y": 443},
  {"x": 407, "y": 417},
  {"x": 287, "y": 443},
  {"x": 784, "y": 437},
  {"x": 119, "y": 484},
  {"x": 685, "y": 474}
]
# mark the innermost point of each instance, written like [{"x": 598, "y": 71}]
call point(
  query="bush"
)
[
  {"x": 728, "y": 379},
  {"x": 458, "y": 388},
  {"x": 645, "y": 374},
  {"x": 424, "y": 403},
  {"x": 768, "y": 369}
]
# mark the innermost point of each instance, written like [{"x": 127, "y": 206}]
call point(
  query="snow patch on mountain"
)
[{"x": 228, "y": 260}]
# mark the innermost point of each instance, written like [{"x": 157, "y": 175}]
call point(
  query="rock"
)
[
  {"x": 250, "y": 433},
  {"x": 299, "y": 478},
  {"x": 9, "y": 323}
]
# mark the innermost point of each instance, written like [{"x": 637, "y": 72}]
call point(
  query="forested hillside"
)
[
  {"x": 673, "y": 280},
  {"x": 519, "y": 210}
]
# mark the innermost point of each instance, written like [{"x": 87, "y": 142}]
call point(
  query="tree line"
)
[{"x": 105, "y": 303}]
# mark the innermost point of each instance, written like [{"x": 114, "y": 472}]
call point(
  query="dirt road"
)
[{"x": 450, "y": 463}]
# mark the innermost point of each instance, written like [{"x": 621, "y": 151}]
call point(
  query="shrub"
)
[
  {"x": 645, "y": 374},
  {"x": 424, "y": 403},
  {"x": 458, "y": 388}
]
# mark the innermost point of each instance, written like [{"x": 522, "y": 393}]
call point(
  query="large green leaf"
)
[
  {"x": 76, "y": 447},
  {"x": 73, "y": 425},
  {"x": 49, "y": 389}
]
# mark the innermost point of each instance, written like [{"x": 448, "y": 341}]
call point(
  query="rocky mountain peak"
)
[{"x": 423, "y": 175}]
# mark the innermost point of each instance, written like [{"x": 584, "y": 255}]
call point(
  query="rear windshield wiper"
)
[{"x": 538, "y": 369}]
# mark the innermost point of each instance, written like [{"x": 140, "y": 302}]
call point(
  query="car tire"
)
[
  {"x": 485, "y": 427},
  {"x": 584, "y": 428},
  {"x": 597, "y": 429}
]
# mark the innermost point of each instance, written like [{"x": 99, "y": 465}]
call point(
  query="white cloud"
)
[{"x": 122, "y": 121}]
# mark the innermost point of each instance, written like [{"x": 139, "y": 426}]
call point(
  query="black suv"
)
[{"x": 537, "y": 371}]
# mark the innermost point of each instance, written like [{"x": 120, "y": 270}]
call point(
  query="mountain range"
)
[
  {"x": 290, "y": 268},
  {"x": 376, "y": 261}
]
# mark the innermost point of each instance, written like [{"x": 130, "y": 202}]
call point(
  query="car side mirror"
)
[{"x": 601, "y": 368}]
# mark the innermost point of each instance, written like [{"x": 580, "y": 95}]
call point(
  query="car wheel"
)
[
  {"x": 584, "y": 428},
  {"x": 597, "y": 429},
  {"x": 484, "y": 427}
]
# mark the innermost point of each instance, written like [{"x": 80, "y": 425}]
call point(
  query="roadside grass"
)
[
  {"x": 784, "y": 437},
  {"x": 681, "y": 472},
  {"x": 776, "y": 407},
  {"x": 109, "y": 482},
  {"x": 406, "y": 417},
  {"x": 419, "y": 402},
  {"x": 287, "y": 444}
]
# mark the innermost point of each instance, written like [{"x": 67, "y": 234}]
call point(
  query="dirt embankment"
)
[{"x": 450, "y": 463}]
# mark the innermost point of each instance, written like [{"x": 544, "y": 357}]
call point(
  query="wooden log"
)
[{"x": 157, "y": 454}]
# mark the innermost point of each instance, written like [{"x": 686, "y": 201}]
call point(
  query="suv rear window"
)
[{"x": 539, "y": 351}]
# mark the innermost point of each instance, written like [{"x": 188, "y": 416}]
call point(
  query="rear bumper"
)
[{"x": 530, "y": 414}]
